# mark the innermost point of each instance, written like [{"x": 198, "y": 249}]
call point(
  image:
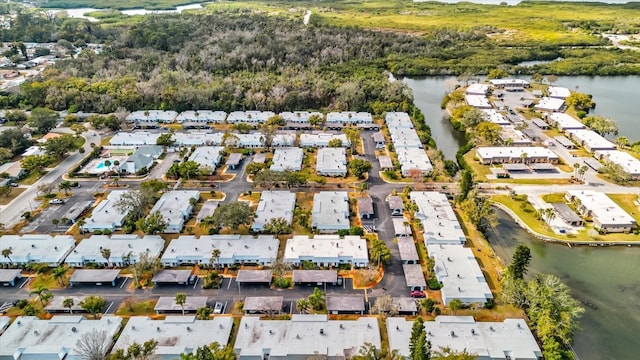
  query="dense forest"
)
[
  {"x": 231, "y": 61},
  {"x": 237, "y": 58}
]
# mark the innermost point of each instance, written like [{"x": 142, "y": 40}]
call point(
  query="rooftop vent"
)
[
  {"x": 73, "y": 329},
  {"x": 270, "y": 332},
  {"x": 188, "y": 328},
  {"x": 453, "y": 334},
  {"x": 473, "y": 331},
  {"x": 321, "y": 331},
  {"x": 158, "y": 328},
  {"x": 36, "y": 332}
]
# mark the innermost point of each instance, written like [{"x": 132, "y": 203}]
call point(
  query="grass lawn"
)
[
  {"x": 480, "y": 171},
  {"x": 4, "y": 200},
  {"x": 487, "y": 260},
  {"x": 134, "y": 307},
  {"x": 31, "y": 178},
  {"x": 581, "y": 152},
  {"x": 527, "y": 214},
  {"x": 554, "y": 198}
]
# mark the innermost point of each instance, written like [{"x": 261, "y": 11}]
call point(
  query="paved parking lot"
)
[{"x": 43, "y": 222}]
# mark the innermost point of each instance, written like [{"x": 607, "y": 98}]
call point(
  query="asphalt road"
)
[{"x": 11, "y": 214}]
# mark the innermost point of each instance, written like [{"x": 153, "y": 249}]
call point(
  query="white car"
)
[
  {"x": 56, "y": 202},
  {"x": 217, "y": 309}
]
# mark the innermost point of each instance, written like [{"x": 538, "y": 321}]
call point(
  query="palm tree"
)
[
  {"x": 576, "y": 166},
  {"x": 583, "y": 169},
  {"x": 181, "y": 299},
  {"x": 68, "y": 303},
  {"x": 215, "y": 256},
  {"x": 106, "y": 254},
  {"x": 455, "y": 305},
  {"x": 316, "y": 299},
  {"x": 7, "y": 253},
  {"x": 81, "y": 223},
  {"x": 65, "y": 186},
  {"x": 59, "y": 274},
  {"x": 524, "y": 157},
  {"x": 115, "y": 181},
  {"x": 43, "y": 294},
  {"x": 302, "y": 305}
]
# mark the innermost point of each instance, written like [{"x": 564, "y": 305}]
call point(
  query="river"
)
[
  {"x": 615, "y": 98},
  {"x": 605, "y": 278}
]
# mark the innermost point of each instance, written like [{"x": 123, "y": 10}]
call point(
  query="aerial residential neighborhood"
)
[{"x": 250, "y": 180}]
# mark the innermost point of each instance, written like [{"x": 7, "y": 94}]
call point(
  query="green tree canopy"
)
[{"x": 232, "y": 215}]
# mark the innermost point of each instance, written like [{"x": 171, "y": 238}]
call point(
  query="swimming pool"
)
[{"x": 101, "y": 166}]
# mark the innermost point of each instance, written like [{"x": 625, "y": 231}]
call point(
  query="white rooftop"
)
[
  {"x": 207, "y": 156},
  {"x": 349, "y": 117},
  {"x": 106, "y": 214},
  {"x": 36, "y": 248},
  {"x": 197, "y": 138},
  {"x": 249, "y": 116},
  {"x": 89, "y": 250},
  {"x": 565, "y": 121},
  {"x": 515, "y": 152},
  {"x": 233, "y": 249},
  {"x": 175, "y": 334},
  {"x": 603, "y": 208},
  {"x": 558, "y": 92},
  {"x": 440, "y": 223},
  {"x": 398, "y": 120},
  {"x": 477, "y": 101},
  {"x": 135, "y": 138},
  {"x": 477, "y": 88},
  {"x": 326, "y": 249},
  {"x": 287, "y": 159},
  {"x": 591, "y": 140},
  {"x": 510, "y": 338},
  {"x": 413, "y": 158},
  {"x": 273, "y": 205},
  {"x": 628, "y": 162},
  {"x": 330, "y": 210},
  {"x": 32, "y": 338},
  {"x": 305, "y": 336},
  {"x": 152, "y": 115},
  {"x": 331, "y": 161},
  {"x": 175, "y": 206},
  {"x": 495, "y": 117},
  {"x": 550, "y": 104},
  {"x": 502, "y": 82},
  {"x": 299, "y": 116},
  {"x": 201, "y": 116},
  {"x": 322, "y": 139},
  {"x": 459, "y": 272}
]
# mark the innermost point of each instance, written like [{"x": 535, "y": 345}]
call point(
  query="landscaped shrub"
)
[
  {"x": 282, "y": 283},
  {"x": 434, "y": 284},
  {"x": 97, "y": 232},
  {"x": 106, "y": 232},
  {"x": 20, "y": 304}
]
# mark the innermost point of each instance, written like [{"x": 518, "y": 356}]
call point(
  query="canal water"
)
[
  {"x": 428, "y": 93},
  {"x": 607, "y": 279},
  {"x": 604, "y": 279}
]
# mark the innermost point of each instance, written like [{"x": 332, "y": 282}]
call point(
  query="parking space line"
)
[
  {"x": 229, "y": 285},
  {"x": 196, "y": 282},
  {"x": 25, "y": 283},
  {"x": 110, "y": 305},
  {"x": 124, "y": 282}
]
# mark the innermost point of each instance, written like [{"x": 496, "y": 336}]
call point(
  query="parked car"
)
[
  {"x": 217, "y": 309},
  {"x": 418, "y": 294},
  {"x": 193, "y": 279},
  {"x": 56, "y": 202},
  {"x": 13, "y": 184}
]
